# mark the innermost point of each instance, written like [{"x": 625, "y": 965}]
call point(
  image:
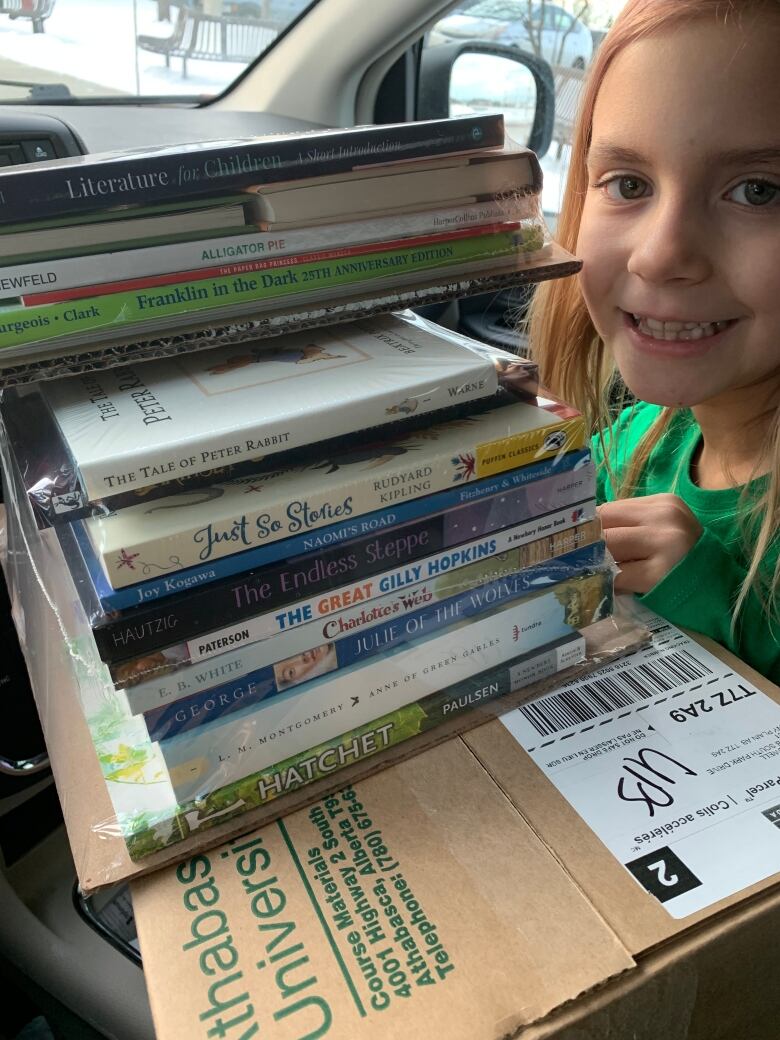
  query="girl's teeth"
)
[{"x": 677, "y": 330}]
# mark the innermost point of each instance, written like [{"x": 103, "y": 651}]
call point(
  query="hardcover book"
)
[
  {"x": 141, "y": 177},
  {"x": 137, "y": 427},
  {"x": 185, "y": 529},
  {"x": 383, "y": 190}
]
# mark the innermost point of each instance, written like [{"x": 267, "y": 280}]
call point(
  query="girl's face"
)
[{"x": 680, "y": 233}]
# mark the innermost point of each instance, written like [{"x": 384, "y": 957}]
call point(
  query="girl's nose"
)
[{"x": 670, "y": 245}]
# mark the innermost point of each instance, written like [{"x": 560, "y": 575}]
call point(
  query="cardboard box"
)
[{"x": 460, "y": 894}]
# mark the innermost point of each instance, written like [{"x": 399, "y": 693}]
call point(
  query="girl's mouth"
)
[{"x": 676, "y": 331}]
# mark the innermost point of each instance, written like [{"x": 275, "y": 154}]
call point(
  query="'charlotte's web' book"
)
[{"x": 136, "y": 427}]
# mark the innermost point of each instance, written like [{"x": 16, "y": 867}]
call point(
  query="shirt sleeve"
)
[{"x": 698, "y": 593}]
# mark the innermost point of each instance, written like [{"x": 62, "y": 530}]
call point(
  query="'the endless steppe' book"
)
[{"x": 135, "y": 427}]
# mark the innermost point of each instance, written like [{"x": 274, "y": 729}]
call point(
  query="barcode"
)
[{"x": 590, "y": 700}]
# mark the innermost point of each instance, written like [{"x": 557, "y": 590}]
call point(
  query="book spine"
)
[
  {"x": 334, "y": 534},
  {"x": 274, "y": 587},
  {"x": 340, "y": 657},
  {"x": 207, "y": 758},
  {"x": 244, "y": 267},
  {"x": 318, "y": 608},
  {"x": 279, "y": 516},
  {"x": 118, "y": 312},
  {"x": 111, "y": 265},
  {"x": 327, "y": 758},
  {"x": 166, "y": 689},
  {"x": 209, "y": 170}
]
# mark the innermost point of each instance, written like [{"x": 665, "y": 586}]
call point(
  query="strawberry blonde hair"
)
[{"x": 573, "y": 361}]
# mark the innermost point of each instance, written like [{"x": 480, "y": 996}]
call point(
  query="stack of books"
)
[
  {"x": 322, "y": 549},
  {"x": 152, "y": 253},
  {"x": 272, "y": 556}
]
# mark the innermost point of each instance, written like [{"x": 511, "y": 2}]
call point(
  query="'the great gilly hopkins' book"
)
[{"x": 133, "y": 427}]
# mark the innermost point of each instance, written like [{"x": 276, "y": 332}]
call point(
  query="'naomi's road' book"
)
[
  {"x": 135, "y": 427},
  {"x": 112, "y": 180}
]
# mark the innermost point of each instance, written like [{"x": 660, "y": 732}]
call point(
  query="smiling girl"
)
[{"x": 673, "y": 204}]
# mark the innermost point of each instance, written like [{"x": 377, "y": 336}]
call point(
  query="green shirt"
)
[{"x": 698, "y": 593}]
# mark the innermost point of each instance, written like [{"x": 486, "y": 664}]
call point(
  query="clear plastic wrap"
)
[
  {"x": 106, "y": 442},
  {"x": 132, "y": 804}
]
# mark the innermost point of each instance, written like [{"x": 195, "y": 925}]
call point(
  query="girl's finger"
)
[
  {"x": 626, "y": 512},
  {"x": 628, "y": 543}
]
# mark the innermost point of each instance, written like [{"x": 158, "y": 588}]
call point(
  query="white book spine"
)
[
  {"x": 215, "y": 754},
  {"x": 231, "y": 250}
]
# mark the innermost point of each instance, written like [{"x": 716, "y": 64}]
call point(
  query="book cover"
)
[
  {"x": 165, "y": 688},
  {"x": 166, "y": 226},
  {"x": 209, "y": 757},
  {"x": 142, "y": 177},
  {"x": 156, "y": 625},
  {"x": 262, "y": 624},
  {"x": 182, "y": 530},
  {"x": 337, "y": 658},
  {"x": 398, "y": 187},
  {"x": 113, "y": 264},
  {"x": 110, "y": 601},
  {"x": 137, "y": 427},
  {"x": 157, "y": 306}
]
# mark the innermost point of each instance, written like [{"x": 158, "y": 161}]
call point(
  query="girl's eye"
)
[
  {"x": 624, "y": 188},
  {"x": 754, "y": 193}
]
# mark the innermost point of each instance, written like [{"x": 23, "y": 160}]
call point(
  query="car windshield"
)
[{"x": 53, "y": 49}]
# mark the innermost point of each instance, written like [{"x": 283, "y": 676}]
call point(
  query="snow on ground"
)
[{"x": 95, "y": 42}]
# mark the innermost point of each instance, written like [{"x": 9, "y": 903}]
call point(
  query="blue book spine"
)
[
  {"x": 147, "y": 592},
  {"x": 167, "y": 721}
]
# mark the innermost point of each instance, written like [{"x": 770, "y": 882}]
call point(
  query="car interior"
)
[{"x": 71, "y": 964}]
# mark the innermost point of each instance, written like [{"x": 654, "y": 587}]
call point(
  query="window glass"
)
[
  {"x": 108, "y": 48},
  {"x": 566, "y": 34}
]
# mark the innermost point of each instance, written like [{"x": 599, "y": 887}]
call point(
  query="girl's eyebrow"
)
[
  {"x": 612, "y": 153},
  {"x": 609, "y": 154}
]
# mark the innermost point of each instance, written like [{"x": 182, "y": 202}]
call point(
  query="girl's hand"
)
[{"x": 647, "y": 536}]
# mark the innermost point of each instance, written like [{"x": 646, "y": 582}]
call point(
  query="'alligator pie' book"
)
[{"x": 138, "y": 426}]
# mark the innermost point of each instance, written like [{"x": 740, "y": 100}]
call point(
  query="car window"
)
[
  {"x": 566, "y": 34},
  {"x": 140, "y": 48}
]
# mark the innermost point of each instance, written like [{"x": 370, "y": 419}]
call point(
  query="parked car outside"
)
[{"x": 544, "y": 29}]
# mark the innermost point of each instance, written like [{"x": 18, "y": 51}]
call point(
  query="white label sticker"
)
[{"x": 673, "y": 760}]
